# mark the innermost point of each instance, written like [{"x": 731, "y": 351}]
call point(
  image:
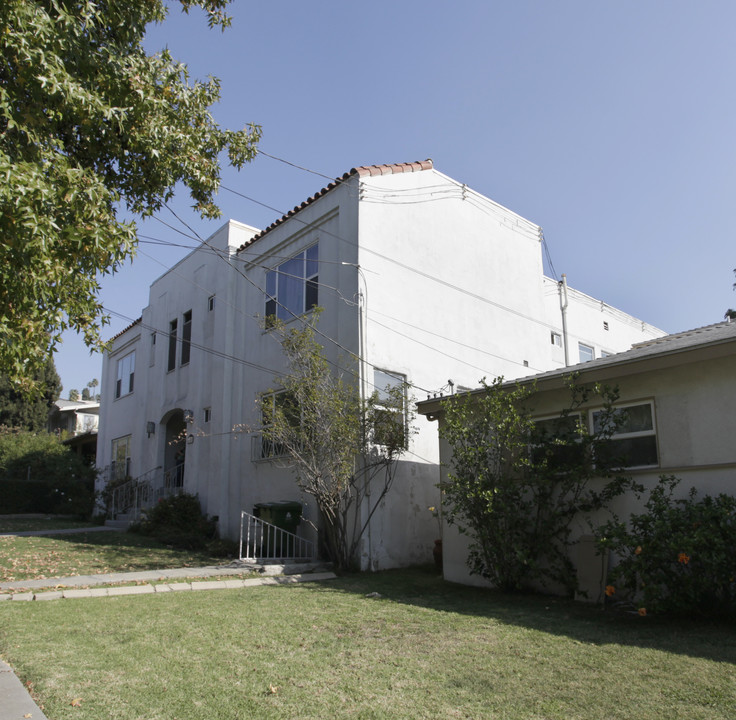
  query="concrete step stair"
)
[{"x": 122, "y": 521}]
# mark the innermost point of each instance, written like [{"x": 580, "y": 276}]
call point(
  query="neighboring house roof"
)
[
  {"x": 83, "y": 405},
  {"x": 362, "y": 171},
  {"x": 665, "y": 351}
]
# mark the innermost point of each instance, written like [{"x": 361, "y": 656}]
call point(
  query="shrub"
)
[
  {"x": 677, "y": 557},
  {"x": 178, "y": 520},
  {"x": 40, "y": 474}
]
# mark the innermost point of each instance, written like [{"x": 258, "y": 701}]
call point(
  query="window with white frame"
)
[
  {"x": 389, "y": 414},
  {"x": 120, "y": 462},
  {"x": 292, "y": 288},
  {"x": 126, "y": 375},
  {"x": 555, "y": 339},
  {"x": 586, "y": 352},
  {"x": 633, "y": 443}
]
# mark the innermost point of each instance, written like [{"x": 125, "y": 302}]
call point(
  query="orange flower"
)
[
  {"x": 638, "y": 550},
  {"x": 642, "y": 612},
  {"x": 683, "y": 558},
  {"x": 610, "y": 590}
]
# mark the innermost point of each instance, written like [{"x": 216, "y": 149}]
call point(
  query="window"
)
[
  {"x": 292, "y": 288},
  {"x": 634, "y": 442},
  {"x": 172, "y": 345},
  {"x": 120, "y": 462},
  {"x": 186, "y": 338},
  {"x": 556, "y": 339},
  {"x": 389, "y": 415},
  {"x": 605, "y": 325},
  {"x": 210, "y": 303},
  {"x": 152, "y": 359},
  {"x": 207, "y": 414},
  {"x": 285, "y": 402},
  {"x": 126, "y": 375},
  {"x": 557, "y": 440},
  {"x": 586, "y": 353}
]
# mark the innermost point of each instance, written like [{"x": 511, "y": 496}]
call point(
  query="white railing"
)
[{"x": 261, "y": 542}]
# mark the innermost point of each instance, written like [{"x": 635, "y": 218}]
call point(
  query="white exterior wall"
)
[
  {"x": 593, "y": 323},
  {"x": 453, "y": 289}
]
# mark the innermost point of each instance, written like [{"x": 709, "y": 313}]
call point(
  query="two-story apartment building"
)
[{"x": 420, "y": 279}]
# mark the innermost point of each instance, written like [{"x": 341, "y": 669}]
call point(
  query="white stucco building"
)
[{"x": 419, "y": 276}]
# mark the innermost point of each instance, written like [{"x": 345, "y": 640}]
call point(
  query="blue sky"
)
[{"x": 611, "y": 125}]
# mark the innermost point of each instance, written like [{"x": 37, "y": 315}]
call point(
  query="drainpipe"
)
[{"x": 562, "y": 285}]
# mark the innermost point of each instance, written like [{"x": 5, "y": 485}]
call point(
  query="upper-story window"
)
[
  {"x": 172, "y": 345},
  {"x": 586, "y": 352},
  {"x": 292, "y": 288},
  {"x": 186, "y": 337},
  {"x": 125, "y": 376}
]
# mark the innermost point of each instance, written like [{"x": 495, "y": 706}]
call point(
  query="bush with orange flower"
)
[{"x": 678, "y": 555}]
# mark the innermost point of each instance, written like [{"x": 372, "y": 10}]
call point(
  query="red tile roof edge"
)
[
  {"x": 124, "y": 330},
  {"x": 362, "y": 171}
]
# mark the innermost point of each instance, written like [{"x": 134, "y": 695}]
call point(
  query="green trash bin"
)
[{"x": 285, "y": 515}]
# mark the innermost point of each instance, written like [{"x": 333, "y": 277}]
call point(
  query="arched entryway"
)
[{"x": 174, "y": 450}]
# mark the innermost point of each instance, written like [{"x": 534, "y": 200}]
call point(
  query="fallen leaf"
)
[
  {"x": 76, "y": 702},
  {"x": 273, "y": 689},
  {"x": 28, "y": 715}
]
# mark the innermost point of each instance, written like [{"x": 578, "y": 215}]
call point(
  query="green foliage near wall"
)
[
  {"x": 178, "y": 521},
  {"x": 342, "y": 448},
  {"x": 515, "y": 486},
  {"x": 40, "y": 475},
  {"x": 677, "y": 556}
]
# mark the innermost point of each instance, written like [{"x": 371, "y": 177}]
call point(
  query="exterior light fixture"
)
[{"x": 150, "y": 428}]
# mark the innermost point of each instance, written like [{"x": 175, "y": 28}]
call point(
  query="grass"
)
[
  {"x": 423, "y": 649},
  {"x": 90, "y": 553},
  {"x": 49, "y": 522}
]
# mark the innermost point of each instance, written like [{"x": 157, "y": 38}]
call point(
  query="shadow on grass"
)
[
  {"x": 124, "y": 551},
  {"x": 582, "y": 622}
]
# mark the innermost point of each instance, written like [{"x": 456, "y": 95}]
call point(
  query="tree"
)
[
  {"x": 516, "y": 485},
  {"x": 74, "y": 394},
  {"x": 730, "y": 313},
  {"x": 342, "y": 449},
  {"x": 90, "y": 127},
  {"x": 30, "y": 412}
]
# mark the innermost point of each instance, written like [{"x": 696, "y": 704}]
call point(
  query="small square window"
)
[
  {"x": 556, "y": 339},
  {"x": 605, "y": 325}
]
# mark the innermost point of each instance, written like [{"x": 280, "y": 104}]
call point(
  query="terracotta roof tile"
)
[
  {"x": 362, "y": 171},
  {"x": 124, "y": 330}
]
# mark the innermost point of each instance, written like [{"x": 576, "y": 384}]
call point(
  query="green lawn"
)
[
  {"x": 11, "y": 523},
  {"x": 89, "y": 553},
  {"x": 424, "y": 649}
]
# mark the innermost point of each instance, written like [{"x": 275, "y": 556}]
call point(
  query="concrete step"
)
[{"x": 118, "y": 524}]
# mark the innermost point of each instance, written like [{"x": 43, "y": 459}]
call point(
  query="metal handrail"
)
[
  {"x": 134, "y": 495},
  {"x": 261, "y": 541}
]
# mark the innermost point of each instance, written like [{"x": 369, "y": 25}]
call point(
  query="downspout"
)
[{"x": 562, "y": 285}]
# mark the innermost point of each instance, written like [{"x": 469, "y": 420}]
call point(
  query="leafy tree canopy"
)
[
  {"x": 91, "y": 125},
  {"x": 19, "y": 410}
]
